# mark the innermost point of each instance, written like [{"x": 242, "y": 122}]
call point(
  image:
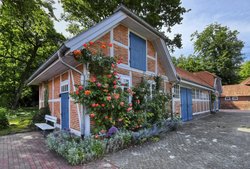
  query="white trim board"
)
[{"x": 196, "y": 85}]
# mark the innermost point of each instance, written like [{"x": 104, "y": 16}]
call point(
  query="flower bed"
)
[{"x": 78, "y": 151}]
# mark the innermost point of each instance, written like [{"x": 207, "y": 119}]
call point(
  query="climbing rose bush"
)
[{"x": 107, "y": 104}]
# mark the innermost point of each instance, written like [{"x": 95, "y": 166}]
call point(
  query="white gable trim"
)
[
  {"x": 168, "y": 56},
  {"x": 95, "y": 31}
]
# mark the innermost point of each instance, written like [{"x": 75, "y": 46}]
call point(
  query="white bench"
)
[{"x": 44, "y": 126}]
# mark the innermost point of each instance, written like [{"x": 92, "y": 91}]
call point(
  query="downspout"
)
[
  {"x": 82, "y": 75},
  {"x": 64, "y": 63}
]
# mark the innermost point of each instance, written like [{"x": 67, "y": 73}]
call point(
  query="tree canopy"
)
[
  {"x": 219, "y": 51},
  {"x": 245, "y": 70},
  {"x": 82, "y": 14},
  {"x": 27, "y": 38},
  {"x": 190, "y": 63}
]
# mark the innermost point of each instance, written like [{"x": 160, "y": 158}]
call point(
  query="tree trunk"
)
[{"x": 24, "y": 76}]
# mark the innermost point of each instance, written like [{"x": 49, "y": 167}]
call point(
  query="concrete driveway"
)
[{"x": 212, "y": 142}]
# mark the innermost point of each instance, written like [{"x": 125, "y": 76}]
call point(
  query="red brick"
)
[{"x": 121, "y": 34}]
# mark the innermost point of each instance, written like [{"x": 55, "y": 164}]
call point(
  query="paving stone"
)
[{"x": 206, "y": 143}]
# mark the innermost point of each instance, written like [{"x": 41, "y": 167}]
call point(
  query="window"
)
[
  {"x": 197, "y": 93},
  {"x": 137, "y": 52},
  {"x": 235, "y": 98},
  {"x": 125, "y": 84},
  {"x": 227, "y": 98},
  {"x": 176, "y": 91},
  {"x": 64, "y": 86},
  {"x": 193, "y": 93},
  {"x": 152, "y": 86}
]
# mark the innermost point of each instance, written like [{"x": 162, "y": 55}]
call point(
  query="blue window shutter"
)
[{"x": 137, "y": 52}]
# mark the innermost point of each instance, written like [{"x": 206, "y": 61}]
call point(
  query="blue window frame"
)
[{"x": 137, "y": 52}]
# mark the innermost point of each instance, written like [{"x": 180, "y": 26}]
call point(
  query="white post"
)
[{"x": 86, "y": 115}]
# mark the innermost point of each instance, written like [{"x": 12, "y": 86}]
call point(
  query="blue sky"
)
[{"x": 232, "y": 13}]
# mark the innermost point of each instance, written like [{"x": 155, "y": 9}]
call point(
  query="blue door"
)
[
  {"x": 65, "y": 110},
  {"x": 137, "y": 52},
  {"x": 186, "y": 104}
]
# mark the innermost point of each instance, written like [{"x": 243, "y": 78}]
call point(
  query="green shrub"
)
[
  {"x": 40, "y": 115},
  {"x": 156, "y": 129},
  {"x": 92, "y": 148},
  {"x": 4, "y": 123},
  {"x": 120, "y": 140},
  {"x": 74, "y": 150},
  {"x": 75, "y": 155}
]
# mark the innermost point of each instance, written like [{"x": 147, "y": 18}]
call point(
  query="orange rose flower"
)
[
  {"x": 77, "y": 52},
  {"x": 87, "y": 92}
]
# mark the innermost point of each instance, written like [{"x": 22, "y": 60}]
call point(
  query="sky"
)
[{"x": 234, "y": 14}]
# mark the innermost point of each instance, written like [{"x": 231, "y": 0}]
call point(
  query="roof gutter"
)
[
  {"x": 65, "y": 64},
  {"x": 188, "y": 82}
]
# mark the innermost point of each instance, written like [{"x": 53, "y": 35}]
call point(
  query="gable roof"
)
[
  {"x": 191, "y": 77},
  {"x": 206, "y": 76},
  {"x": 121, "y": 15},
  {"x": 235, "y": 90},
  {"x": 246, "y": 82}
]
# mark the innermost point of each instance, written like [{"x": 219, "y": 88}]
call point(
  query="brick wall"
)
[
  {"x": 121, "y": 34},
  {"x": 121, "y": 52},
  {"x": 121, "y": 49},
  {"x": 243, "y": 103}
]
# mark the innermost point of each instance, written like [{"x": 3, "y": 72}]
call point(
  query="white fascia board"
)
[
  {"x": 95, "y": 31},
  {"x": 168, "y": 56},
  {"x": 196, "y": 85},
  {"x": 31, "y": 82}
]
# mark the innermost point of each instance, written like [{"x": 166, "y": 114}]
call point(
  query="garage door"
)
[{"x": 186, "y": 104}]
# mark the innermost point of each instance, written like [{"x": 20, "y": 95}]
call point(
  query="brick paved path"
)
[{"x": 211, "y": 142}]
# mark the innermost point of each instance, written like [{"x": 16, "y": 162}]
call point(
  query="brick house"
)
[
  {"x": 236, "y": 96},
  {"x": 129, "y": 35},
  {"x": 192, "y": 95}
]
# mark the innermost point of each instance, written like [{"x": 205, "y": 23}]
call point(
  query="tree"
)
[
  {"x": 27, "y": 38},
  {"x": 245, "y": 70},
  {"x": 191, "y": 63},
  {"x": 220, "y": 51},
  {"x": 83, "y": 14}
]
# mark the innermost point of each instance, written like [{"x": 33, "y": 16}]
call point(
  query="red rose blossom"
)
[
  {"x": 80, "y": 88},
  {"x": 108, "y": 98},
  {"x": 121, "y": 103},
  {"x": 92, "y": 115}
]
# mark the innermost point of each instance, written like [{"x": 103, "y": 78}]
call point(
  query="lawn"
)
[{"x": 19, "y": 120}]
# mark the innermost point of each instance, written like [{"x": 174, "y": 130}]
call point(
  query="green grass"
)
[{"x": 20, "y": 120}]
